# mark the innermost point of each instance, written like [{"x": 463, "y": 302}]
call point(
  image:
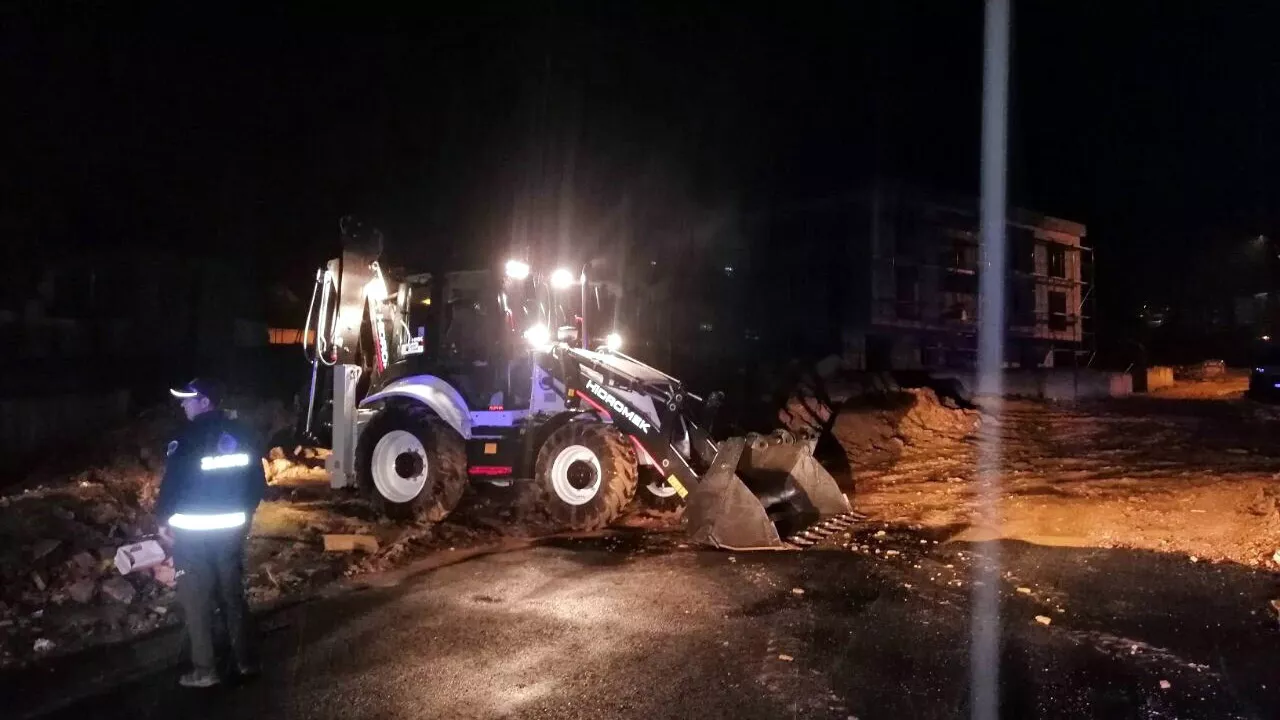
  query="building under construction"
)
[{"x": 919, "y": 305}]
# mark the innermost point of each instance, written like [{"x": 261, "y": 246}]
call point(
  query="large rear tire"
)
[
  {"x": 586, "y": 473},
  {"x": 411, "y": 465}
]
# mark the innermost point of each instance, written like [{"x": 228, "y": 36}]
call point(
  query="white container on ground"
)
[{"x": 139, "y": 556}]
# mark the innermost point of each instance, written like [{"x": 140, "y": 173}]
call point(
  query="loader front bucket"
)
[{"x": 759, "y": 490}]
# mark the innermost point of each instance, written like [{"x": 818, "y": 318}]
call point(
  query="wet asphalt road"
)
[{"x": 616, "y": 629}]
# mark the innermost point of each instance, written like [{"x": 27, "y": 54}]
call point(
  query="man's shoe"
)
[{"x": 199, "y": 679}]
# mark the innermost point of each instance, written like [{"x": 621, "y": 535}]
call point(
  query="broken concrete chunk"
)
[
  {"x": 43, "y": 645},
  {"x": 1044, "y": 619},
  {"x": 84, "y": 561},
  {"x": 104, "y": 514},
  {"x": 348, "y": 543},
  {"x": 165, "y": 574},
  {"x": 797, "y": 591},
  {"x": 44, "y": 547},
  {"x": 82, "y": 591},
  {"x": 785, "y": 658},
  {"x": 119, "y": 590},
  {"x": 1165, "y": 685}
]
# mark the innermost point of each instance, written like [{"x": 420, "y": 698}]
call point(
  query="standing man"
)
[{"x": 213, "y": 482}]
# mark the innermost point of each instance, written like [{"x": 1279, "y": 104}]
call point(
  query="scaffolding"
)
[{"x": 945, "y": 312}]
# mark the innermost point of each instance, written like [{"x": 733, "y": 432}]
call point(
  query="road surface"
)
[{"x": 641, "y": 628}]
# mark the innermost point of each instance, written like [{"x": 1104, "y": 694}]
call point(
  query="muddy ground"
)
[
  {"x": 1189, "y": 470},
  {"x": 1194, "y": 470}
]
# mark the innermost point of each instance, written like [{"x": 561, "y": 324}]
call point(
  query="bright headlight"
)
[
  {"x": 613, "y": 341},
  {"x": 517, "y": 270},
  {"x": 561, "y": 279},
  {"x": 538, "y": 336}
]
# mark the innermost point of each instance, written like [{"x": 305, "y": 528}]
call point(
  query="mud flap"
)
[{"x": 759, "y": 490}]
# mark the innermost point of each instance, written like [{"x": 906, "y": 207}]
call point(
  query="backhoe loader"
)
[{"x": 435, "y": 380}]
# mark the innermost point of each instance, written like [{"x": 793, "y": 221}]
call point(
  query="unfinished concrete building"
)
[{"x": 920, "y": 308}]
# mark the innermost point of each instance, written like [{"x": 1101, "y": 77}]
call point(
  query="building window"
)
[
  {"x": 1022, "y": 302},
  {"x": 1057, "y": 261},
  {"x": 1057, "y": 311},
  {"x": 1022, "y": 250}
]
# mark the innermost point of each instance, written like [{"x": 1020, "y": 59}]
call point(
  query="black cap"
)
[{"x": 199, "y": 387}]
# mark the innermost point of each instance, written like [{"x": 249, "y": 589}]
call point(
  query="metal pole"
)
[{"x": 984, "y": 651}]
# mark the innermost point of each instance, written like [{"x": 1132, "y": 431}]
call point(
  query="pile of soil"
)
[
  {"x": 875, "y": 430},
  {"x": 873, "y": 418}
]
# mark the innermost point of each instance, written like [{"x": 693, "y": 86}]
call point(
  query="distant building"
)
[{"x": 917, "y": 305}]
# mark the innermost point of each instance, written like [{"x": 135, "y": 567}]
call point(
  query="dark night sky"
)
[{"x": 1152, "y": 122}]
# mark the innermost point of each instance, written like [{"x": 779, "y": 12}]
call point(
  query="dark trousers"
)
[{"x": 211, "y": 563}]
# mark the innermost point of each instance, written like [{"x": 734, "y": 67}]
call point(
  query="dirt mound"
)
[
  {"x": 875, "y": 430},
  {"x": 874, "y": 418}
]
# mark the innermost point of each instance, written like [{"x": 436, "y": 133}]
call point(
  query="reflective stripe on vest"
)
[
  {"x": 222, "y": 462},
  {"x": 221, "y": 521}
]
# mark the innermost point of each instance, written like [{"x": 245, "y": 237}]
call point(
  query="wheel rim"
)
[
  {"x": 576, "y": 475},
  {"x": 660, "y": 489},
  {"x": 399, "y": 466}
]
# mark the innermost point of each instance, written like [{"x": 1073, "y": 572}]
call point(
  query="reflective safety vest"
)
[{"x": 213, "y": 477}]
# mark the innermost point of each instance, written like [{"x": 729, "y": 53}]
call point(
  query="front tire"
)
[
  {"x": 655, "y": 494},
  {"x": 411, "y": 465},
  {"x": 586, "y": 472}
]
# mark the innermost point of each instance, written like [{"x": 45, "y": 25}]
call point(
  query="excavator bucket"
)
[{"x": 759, "y": 490}]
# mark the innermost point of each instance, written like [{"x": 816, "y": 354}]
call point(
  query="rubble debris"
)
[
  {"x": 165, "y": 574},
  {"x": 43, "y": 548},
  {"x": 1044, "y": 619},
  {"x": 82, "y": 591},
  {"x": 119, "y": 590},
  {"x": 1165, "y": 685},
  {"x": 43, "y": 645},
  {"x": 348, "y": 543},
  {"x": 797, "y": 591},
  {"x": 37, "y": 581},
  {"x": 1024, "y": 590},
  {"x": 84, "y": 561},
  {"x": 785, "y": 658}
]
